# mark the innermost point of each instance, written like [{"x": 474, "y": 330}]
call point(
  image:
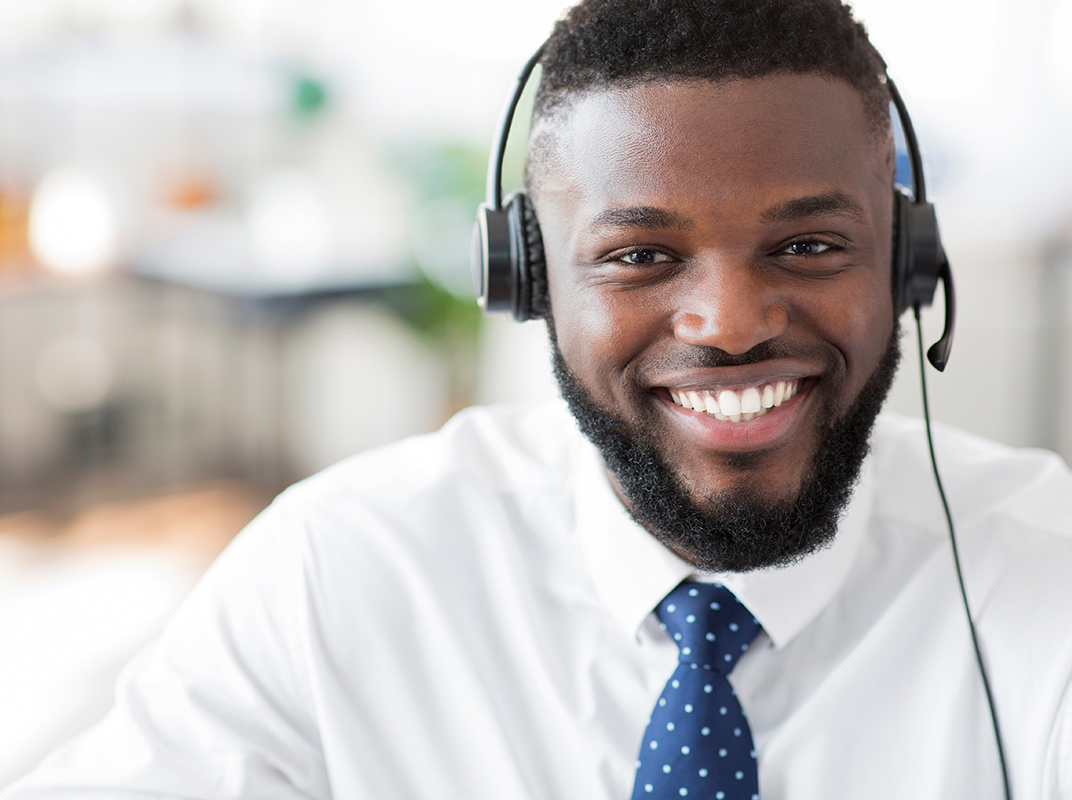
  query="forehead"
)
[{"x": 717, "y": 138}]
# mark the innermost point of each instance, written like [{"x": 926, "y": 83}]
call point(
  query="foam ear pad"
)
[
  {"x": 516, "y": 205},
  {"x": 918, "y": 254},
  {"x": 534, "y": 265}
]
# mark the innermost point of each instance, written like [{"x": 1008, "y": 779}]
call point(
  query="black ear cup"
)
[
  {"x": 919, "y": 262},
  {"x": 508, "y": 261},
  {"x": 918, "y": 254},
  {"x": 489, "y": 257}
]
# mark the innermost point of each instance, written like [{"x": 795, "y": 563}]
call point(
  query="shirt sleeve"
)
[{"x": 219, "y": 706}]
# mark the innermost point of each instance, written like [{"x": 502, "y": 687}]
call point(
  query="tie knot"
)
[{"x": 711, "y": 626}]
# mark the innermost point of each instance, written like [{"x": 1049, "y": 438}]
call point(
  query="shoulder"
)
[
  {"x": 1012, "y": 516},
  {"x": 490, "y": 481},
  {"x": 496, "y": 447},
  {"x": 987, "y": 484}
]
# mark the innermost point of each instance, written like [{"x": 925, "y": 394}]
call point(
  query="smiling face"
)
[{"x": 719, "y": 272}]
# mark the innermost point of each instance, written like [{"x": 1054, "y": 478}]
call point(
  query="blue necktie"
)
[{"x": 698, "y": 743}]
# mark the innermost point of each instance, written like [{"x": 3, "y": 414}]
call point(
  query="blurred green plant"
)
[
  {"x": 447, "y": 180},
  {"x": 441, "y": 169},
  {"x": 309, "y": 96},
  {"x": 439, "y": 317}
]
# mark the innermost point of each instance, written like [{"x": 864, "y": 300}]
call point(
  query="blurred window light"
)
[
  {"x": 20, "y": 22},
  {"x": 1059, "y": 43},
  {"x": 124, "y": 15},
  {"x": 72, "y": 223},
  {"x": 290, "y": 222},
  {"x": 486, "y": 30},
  {"x": 74, "y": 374},
  {"x": 24, "y": 22},
  {"x": 939, "y": 49}
]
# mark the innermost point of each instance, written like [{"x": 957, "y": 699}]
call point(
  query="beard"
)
[{"x": 735, "y": 530}]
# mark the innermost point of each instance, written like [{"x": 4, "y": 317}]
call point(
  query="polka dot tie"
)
[{"x": 698, "y": 743}]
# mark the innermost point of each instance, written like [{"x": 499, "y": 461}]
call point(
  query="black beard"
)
[{"x": 736, "y": 530}]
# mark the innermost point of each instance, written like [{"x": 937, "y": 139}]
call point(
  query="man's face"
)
[{"x": 719, "y": 272}]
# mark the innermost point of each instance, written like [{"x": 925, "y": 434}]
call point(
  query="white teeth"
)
[
  {"x": 729, "y": 403},
  {"x": 779, "y": 392},
  {"x": 737, "y": 406},
  {"x": 750, "y": 400}
]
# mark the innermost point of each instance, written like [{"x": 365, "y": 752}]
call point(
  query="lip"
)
[
  {"x": 761, "y": 433},
  {"x": 738, "y": 377}
]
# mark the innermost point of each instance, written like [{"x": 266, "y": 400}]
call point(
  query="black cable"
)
[{"x": 956, "y": 558}]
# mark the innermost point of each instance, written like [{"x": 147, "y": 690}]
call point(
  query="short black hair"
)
[{"x": 620, "y": 43}]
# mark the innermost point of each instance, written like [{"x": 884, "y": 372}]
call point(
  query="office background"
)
[{"x": 234, "y": 250}]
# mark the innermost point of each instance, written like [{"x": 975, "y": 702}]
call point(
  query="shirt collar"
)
[{"x": 633, "y": 571}]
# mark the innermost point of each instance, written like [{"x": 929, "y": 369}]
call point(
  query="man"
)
[{"x": 480, "y": 613}]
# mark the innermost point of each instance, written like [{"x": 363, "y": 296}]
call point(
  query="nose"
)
[{"x": 729, "y": 306}]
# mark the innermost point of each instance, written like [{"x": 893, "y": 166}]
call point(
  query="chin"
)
[{"x": 755, "y": 518}]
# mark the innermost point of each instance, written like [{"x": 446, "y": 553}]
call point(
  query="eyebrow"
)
[
  {"x": 836, "y": 203},
  {"x": 642, "y": 217}
]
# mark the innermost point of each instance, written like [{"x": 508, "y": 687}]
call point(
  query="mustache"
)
[{"x": 703, "y": 357}]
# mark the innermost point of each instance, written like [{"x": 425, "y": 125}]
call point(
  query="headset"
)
[
  {"x": 510, "y": 276},
  {"x": 510, "y": 273}
]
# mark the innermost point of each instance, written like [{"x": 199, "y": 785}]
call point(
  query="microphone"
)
[{"x": 938, "y": 353}]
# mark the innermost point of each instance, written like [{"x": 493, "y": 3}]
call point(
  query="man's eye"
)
[
  {"x": 807, "y": 248},
  {"x": 642, "y": 257}
]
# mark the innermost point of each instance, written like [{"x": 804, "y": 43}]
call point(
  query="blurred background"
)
[{"x": 234, "y": 250}]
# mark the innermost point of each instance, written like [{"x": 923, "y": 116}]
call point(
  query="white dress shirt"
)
[{"x": 468, "y": 615}]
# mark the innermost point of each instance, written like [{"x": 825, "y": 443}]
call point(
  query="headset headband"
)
[{"x": 507, "y": 253}]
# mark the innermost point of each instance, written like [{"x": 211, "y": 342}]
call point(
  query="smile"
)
[{"x": 737, "y": 405}]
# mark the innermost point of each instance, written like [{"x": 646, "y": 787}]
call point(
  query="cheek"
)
[
  {"x": 590, "y": 327},
  {"x": 579, "y": 326},
  {"x": 590, "y": 332},
  {"x": 600, "y": 331},
  {"x": 859, "y": 323}
]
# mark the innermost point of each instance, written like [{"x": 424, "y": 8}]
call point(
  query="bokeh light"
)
[{"x": 72, "y": 223}]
